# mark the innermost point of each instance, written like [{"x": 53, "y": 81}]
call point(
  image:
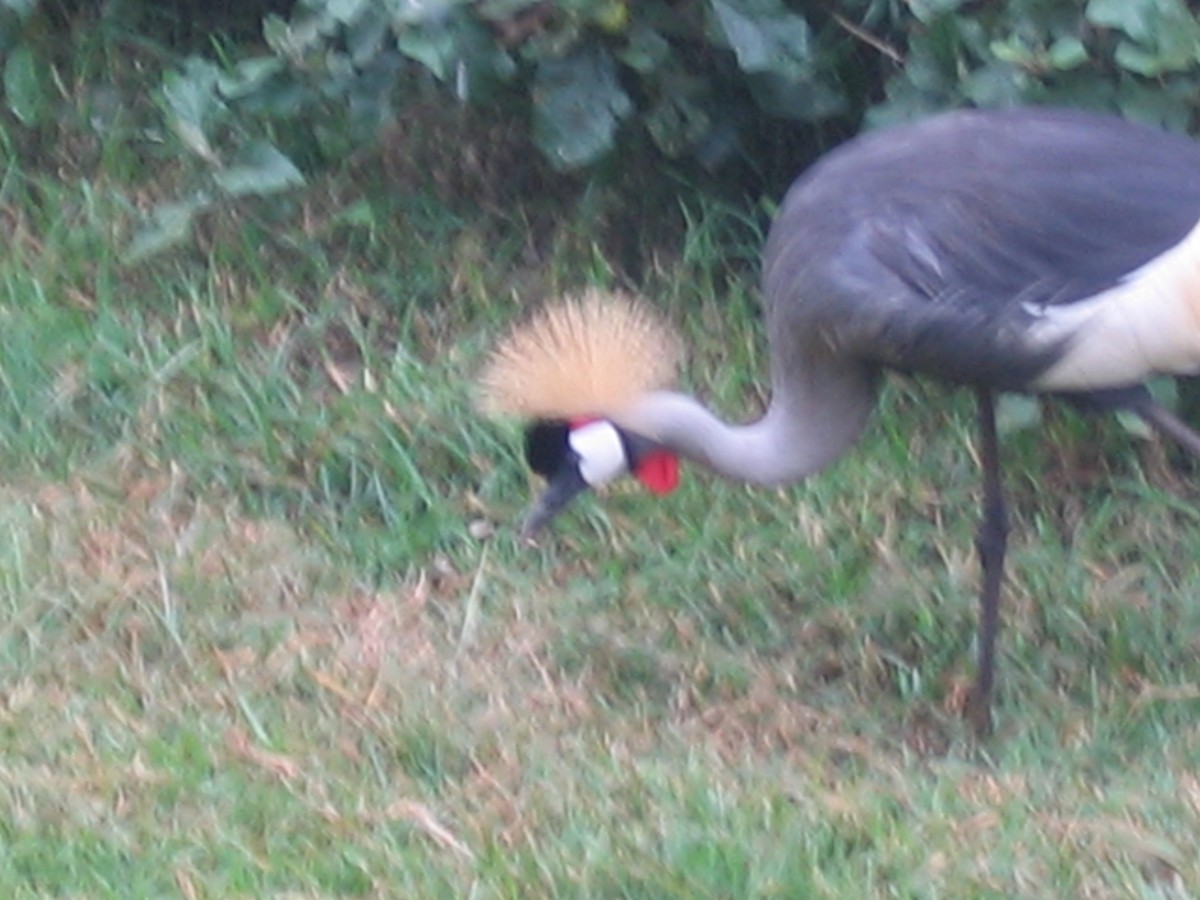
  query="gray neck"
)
[{"x": 806, "y": 428}]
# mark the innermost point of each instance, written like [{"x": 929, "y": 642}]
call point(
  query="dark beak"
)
[{"x": 560, "y": 491}]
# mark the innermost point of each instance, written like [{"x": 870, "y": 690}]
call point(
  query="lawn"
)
[{"x": 269, "y": 631}]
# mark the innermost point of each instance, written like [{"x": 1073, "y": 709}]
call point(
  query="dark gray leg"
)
[
  {"x": 991, "y": 542},
  {"x": 992, "y": 539},
  {"x": 1162, "y": 419}
]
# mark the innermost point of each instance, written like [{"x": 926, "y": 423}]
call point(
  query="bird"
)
[{"x": 1035, "y": 250}]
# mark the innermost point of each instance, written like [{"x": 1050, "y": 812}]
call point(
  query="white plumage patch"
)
[
  {"x": 1148, "y": 324},
  {"x": 601, "y": 452}
]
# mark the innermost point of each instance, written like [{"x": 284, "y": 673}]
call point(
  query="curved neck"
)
[{"x": 808, "y": 426}]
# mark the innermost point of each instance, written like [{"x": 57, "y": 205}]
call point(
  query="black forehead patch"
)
[{"x": 546, "y": 446}]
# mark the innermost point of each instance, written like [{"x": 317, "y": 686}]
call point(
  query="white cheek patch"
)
[{"x": 601, "y": 453}]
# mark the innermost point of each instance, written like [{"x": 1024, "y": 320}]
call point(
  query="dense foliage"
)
[
  {"x": 698, "y": 76},
  {"x": 699, "y": 82},
  {"x": 693, "y": 76}
]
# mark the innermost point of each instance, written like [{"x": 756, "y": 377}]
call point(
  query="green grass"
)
[{"x": 253, "y": 643}]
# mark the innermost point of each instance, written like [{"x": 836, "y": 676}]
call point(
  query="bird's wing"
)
[{"x": 984, "y": 246}]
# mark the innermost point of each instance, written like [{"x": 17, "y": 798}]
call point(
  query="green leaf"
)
[
  {"x": 1014, "y": 51},
  {"x": 1132, "y": 58},
  {"x": 365, "y": 36},
  {"x": 1017, "y": 412},
  {"x": 413, "y": 12},
  {"x": 359, "y": 214},
  {"x": 1163, "y": 35},
  {"x": 1067, "y": 53},
  {"x": 928, "y": 10},
  {"x": 293, "y": 40},
  {"x": 776, "y": 49},
  {"x": 434, "y": 48},
  {"x": 1134, "y": 17},
  {"x": 190, "y": 93},
  {"x": 1165, "y": 390},
  {"x": 260, "y": 169},
  {"x": 459, "y": 52},
  {"x": 346, "y": 12},
  {"x": 195, "y": 140},
  {"x": 1134, "y": 424},
  {"x": 23, "y": 8},
  {"x": 497, "y": 10},
  {"x": 13, "y": 15},
  {"x": 765, "y": 37},
  {"x": 994, "y": 84},
  {"x": 645, "y": 50},
  {"x": 23, "y": 89},
  {"x": 169, "y": 225},
  {"x": 189, "y": 97},
  {"x": 1166, "y": 105},
  {"x": 577, "y": 105},
  {"x": 249, "y": 76}
]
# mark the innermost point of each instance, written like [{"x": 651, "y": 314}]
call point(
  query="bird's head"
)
[
  {"x": 575, "y": 456},
  {"x": 570, "y": 371}
]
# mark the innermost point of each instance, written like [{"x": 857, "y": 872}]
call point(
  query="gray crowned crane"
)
[{"x": 1032, "y": 250}]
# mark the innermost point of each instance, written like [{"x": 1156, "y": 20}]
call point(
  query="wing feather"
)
[{"x": 938, "y": 247}]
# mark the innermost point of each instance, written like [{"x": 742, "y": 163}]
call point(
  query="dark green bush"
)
[
  {"x": 697, "y": 82},
  {"x": 705, "y": 78}
]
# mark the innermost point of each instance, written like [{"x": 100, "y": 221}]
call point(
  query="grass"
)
[{"x": 267, "y": 629}]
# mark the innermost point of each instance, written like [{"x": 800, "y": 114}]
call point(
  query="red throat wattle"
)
[{"x": 659, "y": 472}]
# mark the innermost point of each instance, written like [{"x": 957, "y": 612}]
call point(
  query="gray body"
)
[{"x": 935, "y": 248}]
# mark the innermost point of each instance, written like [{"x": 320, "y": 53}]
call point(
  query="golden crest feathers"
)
[{"x": 589, "y": 355}]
